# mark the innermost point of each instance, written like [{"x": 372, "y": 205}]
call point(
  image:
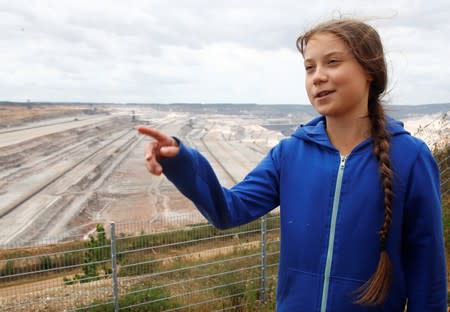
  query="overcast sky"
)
[{"x": 205, "y": 51}]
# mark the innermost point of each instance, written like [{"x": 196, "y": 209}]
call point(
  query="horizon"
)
[{"x": 187, "y": 103}]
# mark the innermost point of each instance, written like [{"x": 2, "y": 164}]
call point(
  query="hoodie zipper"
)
[{"x": 334, "y": 212}]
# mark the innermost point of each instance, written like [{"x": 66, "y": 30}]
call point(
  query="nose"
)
[{"x": 319, "y": 75}]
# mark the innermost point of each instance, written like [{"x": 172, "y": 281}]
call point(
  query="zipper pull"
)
[{"x": 343, "y": 159}]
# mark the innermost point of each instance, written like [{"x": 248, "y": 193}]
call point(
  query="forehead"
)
[{"x": 322, "y": 44}]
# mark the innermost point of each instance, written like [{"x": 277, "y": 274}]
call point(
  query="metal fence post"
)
[
  {"x": 115, "y": 284},
  {"x": 263, "y": 259}
]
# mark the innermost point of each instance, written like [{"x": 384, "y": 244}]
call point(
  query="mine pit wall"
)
[
  {"x": 38, "y": 148},
  {"x": 91, "y": 205},
  {"x": 57, "y": 208},
  {"x": 15, "y": 155},
  {"x": 71, "y": 203}
]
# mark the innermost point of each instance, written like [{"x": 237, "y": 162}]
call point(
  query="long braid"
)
[{"x": 376, "y": 289}]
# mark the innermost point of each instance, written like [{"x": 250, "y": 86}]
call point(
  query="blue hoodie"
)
[{"x": 331, "y": 210}]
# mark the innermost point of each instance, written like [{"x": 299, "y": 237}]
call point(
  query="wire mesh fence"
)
[
  {"x": 146, "y": 266},
  {"x": 132, "y": 267}
]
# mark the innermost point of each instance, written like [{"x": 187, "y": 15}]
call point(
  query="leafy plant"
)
[{"x": 97, "y": 252}]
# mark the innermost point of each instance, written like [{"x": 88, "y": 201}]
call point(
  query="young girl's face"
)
[{"x": 337, "y": 85}]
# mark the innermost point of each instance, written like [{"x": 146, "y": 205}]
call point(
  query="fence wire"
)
[{"x": 131, "y": 267}]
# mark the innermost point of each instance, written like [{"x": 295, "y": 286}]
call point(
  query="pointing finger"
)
[{"x": 153, "y": 133}]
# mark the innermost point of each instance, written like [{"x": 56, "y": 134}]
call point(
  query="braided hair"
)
[{"x": 365, "y": 43}]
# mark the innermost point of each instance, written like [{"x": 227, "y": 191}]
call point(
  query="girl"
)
[{"x": 359, "y": 197}]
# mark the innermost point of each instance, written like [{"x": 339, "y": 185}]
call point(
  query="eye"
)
[
  {"x": 308, "y": 68},
  {"x": 333, "y": 61}
]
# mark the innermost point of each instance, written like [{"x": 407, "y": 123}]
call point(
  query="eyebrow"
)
[{"x": 332, "y": 53}]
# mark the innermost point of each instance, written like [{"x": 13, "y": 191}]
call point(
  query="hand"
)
[{"x": 163, "y": 146}]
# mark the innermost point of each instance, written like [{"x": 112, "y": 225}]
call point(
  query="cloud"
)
[{"x": 203, "y": 51}]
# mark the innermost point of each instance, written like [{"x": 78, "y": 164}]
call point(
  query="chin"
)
[{"x": 322, "y": 110}]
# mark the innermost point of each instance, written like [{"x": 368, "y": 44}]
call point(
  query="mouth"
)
[{"x": 322, "y": 94}]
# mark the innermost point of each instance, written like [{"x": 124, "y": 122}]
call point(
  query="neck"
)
[{"x": 345, "y": 135}]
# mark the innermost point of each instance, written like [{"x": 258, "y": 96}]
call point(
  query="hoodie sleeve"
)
[
  {"x": 424, "y": 260},
  {"x": 251, "y": 198}
]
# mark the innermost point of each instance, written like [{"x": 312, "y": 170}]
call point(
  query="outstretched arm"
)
[{"x": 192, "y": 174}]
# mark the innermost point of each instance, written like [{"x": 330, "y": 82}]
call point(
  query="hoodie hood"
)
[{"x": 315, "y": 130}]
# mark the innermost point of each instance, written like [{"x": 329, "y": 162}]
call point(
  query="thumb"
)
[{"x": 169, "y": 151}]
